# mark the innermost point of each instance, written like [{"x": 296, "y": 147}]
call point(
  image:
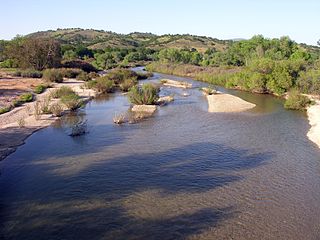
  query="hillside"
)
[{"x": 99, "y": 39}]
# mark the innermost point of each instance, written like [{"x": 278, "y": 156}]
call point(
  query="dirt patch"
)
[{"x": 11, "y": 88}]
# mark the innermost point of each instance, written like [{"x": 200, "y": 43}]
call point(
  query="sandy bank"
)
[
  {"x": 227, "y": 103},
  {"x": 314, "y": 120},
  {"x": 11, "y": 135}
]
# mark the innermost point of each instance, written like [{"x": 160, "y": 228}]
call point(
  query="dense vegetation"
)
[{"x": 259, "y": 65}]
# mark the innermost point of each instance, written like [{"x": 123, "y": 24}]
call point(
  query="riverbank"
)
[
  {"x": 21, "y": 122},
  {"x": 313, "y": 112}
]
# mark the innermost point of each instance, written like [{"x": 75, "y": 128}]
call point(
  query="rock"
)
[
  {"x": 227, "y": 103},
  {"x": 144, "y": 108},
  {"x": 208, "y": 91},
  {"x": 165, "y": 99},
  {"x": 173, "y": 83}
]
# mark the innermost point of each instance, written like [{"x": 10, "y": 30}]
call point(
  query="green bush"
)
[
  {"x": 53, "y": 75},
  {"x": 80, "y": 64},
  {"x": 63, "y": 91},
  {"x": 70, "y": 72},
  {"x": 119, "y": 75},
  {"x": 296, "y": 101},
  {"x": 28, "y": 73},
  {"x": 72, "y": 101},
  {"x": 39, "y": 89},
  {"x": 84, "y": 77},
  {"x": 127, "y": 84},
  {"x": 102, "y": 85},
  {"x": 26, "y": 97},
  {"x": 147, "y": 94},
  {"x": 4, "y": 109}
]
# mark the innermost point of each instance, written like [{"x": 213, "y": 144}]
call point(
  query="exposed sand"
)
[
  {"x": 11, "y": 135},
  {"x": 174, "y": 83},
  {"x": 227, "y": 103},
  {"x": 314, "y": 120}
]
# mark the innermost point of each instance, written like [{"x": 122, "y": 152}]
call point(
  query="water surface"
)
[{"x": 182, "y": 174}]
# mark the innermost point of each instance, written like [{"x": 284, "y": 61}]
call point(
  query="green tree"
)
[{"x": 36, "y": 53}]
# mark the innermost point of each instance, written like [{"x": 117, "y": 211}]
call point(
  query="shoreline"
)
[
  {"x": 12, "y": 136},
  {"x": 313, "y": 113}
]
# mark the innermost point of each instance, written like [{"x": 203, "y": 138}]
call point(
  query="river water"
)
[{"x": 182, "y": 174}]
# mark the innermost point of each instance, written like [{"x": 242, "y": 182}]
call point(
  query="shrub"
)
[
  {"x": 56, "y": 109},
  {"x": 144, "y": 75},
  {"x": 39, "y": 89},
  {"x": 63, "y": 91},
  {"x": 84, "y": 77},
  {"x": 44, "y": 106},
  {"x": 93, "y": 75},
  {"x": 53, "y": 75},
  {"x": 147, "y": 94},
  {"x": 119, "y": 118},
  {"x": 31, "y": 74},
  {"x": 78, "y": 129},
  {"x": 87, "y": 67},
  {"x": 296, "y": 101},
  {"x": 127, "y": 84},
  {"x": 16, "y": 103},
  {"x": 37, "y": 110},
  {"x": 102, "y": 85},
  {"x": 5, "y": 109},
  {"x": 26, "y": 97},
  {"x": 72, "y": 101},
  {"x": 70, "y": 72},
  {"x": 119, "y": 75}
]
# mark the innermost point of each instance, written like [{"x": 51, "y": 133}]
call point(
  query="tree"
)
[{"x": 36, "y": 53}]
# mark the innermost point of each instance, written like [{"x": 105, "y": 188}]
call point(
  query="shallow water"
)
[{"x": 182, "y": 174}]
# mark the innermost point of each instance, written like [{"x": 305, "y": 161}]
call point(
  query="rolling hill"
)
[{"x": 100, "y": 39}]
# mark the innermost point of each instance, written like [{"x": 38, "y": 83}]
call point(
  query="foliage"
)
[
  {"x": 309, "y": 81},
  {"x": 39, "y": 89},
  {"x": 8, "y": 63},
  {"x": 72, "y": 101},
  {"x": 28, "y": 73},
  {"x": 144, "y": 75},
  {"x": 84, "y": 77},
  {"x": 70, "y": 72},
  {"x": 5, "y": 109},
  {"x": 127, "y": 84},
  {"x": 26, "y": 97},
  {"x": 63, "y": 91},
  {"x": 103, "y": 85},
  {"x": 80, "y": 64},
  {"x": 53, "y": 75},
  {"x": 35, "y": 53},
  {"x": 147, "y": 94},
  {"x": 119, "y": 75},
  {"x": 296, "y": 101},
  {"x": 56, "y": 109}
]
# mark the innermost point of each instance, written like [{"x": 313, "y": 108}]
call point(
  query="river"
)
[{"x": 182, "y": 174}]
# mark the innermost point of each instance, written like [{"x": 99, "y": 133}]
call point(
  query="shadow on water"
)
[{"x": 93, "y": 203}]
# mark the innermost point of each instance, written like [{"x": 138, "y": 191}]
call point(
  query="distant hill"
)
[{"x": 100, "y": 39}]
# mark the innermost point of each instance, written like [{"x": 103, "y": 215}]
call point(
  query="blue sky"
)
[{"x": 223, "y": 19}]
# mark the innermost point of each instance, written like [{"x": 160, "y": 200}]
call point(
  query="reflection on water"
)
[{"x": 182, "y": 174}]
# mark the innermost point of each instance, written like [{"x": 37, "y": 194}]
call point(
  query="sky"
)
[{"x": 223, "y": 19}]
